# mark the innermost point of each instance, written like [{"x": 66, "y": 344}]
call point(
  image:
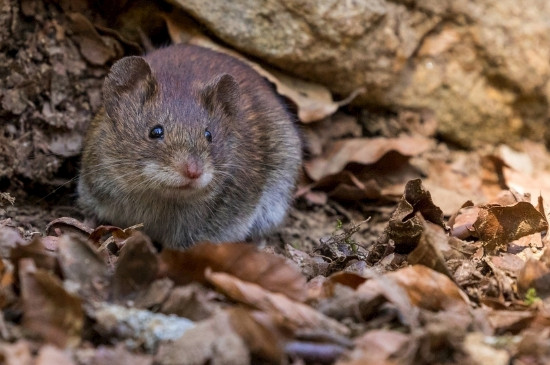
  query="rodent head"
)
[{"x": 164, "y": 133}]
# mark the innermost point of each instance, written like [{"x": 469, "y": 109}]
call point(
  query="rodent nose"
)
[{"x": 192, "y": 169}]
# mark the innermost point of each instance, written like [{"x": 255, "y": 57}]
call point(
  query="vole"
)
[{"x": 192, "y": 143}]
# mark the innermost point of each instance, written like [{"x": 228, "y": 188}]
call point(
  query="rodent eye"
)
[
  {"x": 157, "y": 132},
  {"x": 208, "y": 135}
]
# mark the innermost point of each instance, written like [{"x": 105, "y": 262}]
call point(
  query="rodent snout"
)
[{"x": 192, "y": 168}]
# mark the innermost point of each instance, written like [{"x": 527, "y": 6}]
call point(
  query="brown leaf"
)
[
  {"x": 213, "y": 341},
  {"x": 50, "y": 355},
  {"x": 9, "y": 239},
  {"x": 496, "y": 226},
  {"x": 427, "y": 252},
  {"x": 295, "y": 313},
  {"x": 18, "y": 353},
  {"x": 48, "y": 309},
  {"x": 349, "y": 279},
  {"x": 94, "y": 48},
  {"x": 63, "y": 225},
  {"x": 118, "y": 355},
  {"x": 81, "y": 264},
  {"x": 425, "y": 288},
  {"x": 534, "y": 274},
  {"x": 363, "y": 151},
  {"x": 405, "y": 226},
  {"x": 193, "y": 301},
  {"x": 35, "y": 250},
  {"x": 508, "y": 321},
  {"x": 260, "y": 331},
  {"x": 377, "y": 347},
  {"x": 136, "y": 267},
  {"x": 239, "y": 259},
  {"x": 462, "y": 224}
]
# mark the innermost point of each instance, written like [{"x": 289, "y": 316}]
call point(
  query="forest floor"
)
[{"x": 401, "y": 248}]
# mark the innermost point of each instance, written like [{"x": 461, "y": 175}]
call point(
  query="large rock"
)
[{"x": 481, "y": 66}]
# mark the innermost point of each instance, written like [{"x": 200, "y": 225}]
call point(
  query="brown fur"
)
[{"x": 254, "y": 155}]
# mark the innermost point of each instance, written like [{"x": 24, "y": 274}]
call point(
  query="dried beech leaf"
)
[
  {"x": 93, "y": 277},
  {"x": 364, "y": 151},
  {"x": 48, "y": 309},
  {"x": 136, "y": 267},
  {"x": 377, "y": 347},
  {"x": 534, "y": 274},
  {"x": 463, "y": 223},
  {"x": 36, "y": 251},
  {"x": 427, "y": 251},
  {"x": 295, "y": 313},
  {"x": 508, "y": 321},
  {"x": 213, "y": 341},
  {"x": 426, "y": 288},
  {"x": 239, "y": 259},
  {"x": 50, "y": 355},
  {"x": 260, "y": 332},
  {"x": 118, "y": 355},
  {"x": 95, "y": 49},
  {"x": 63, "y": 225},
  {"x": 496, "y": 226}
]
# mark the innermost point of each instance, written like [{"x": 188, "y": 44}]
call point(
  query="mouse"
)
[{"x": 194, "y": 144}]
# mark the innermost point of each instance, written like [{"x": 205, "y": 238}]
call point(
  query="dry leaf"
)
[
  {"x": 364, "y": 151},
  {"x": 50, "y": 355},
  {"x": 81, "y": 264},
  {"x": 377, "y": 347},
  {"x": 295, "y": 313},
  {"x": 136, "y": 267},
  {"x": 63, "y": 225},
  {"x": 213, "y": 341},
  {"x": 418, "y": 281},
  {"x": 94, "y": 48},
  {"x": 118, "y": 355},
  {"x": 497, "y": 226},
  {"x": 260, "y": 331},
  {"x": 48, "y": 309},
  {"x": 239, "y": 259}
]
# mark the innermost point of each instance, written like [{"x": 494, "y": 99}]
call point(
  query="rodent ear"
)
[
  {"x": 130, "y": 78},
  {"x": 222, "y": 93}
]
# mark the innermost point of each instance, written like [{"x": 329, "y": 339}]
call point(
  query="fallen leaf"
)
[
  {"x": 239, "y": 259},
  {"x": 427, "y": 252},
  {"x": 81, "y": 264},
  {"x": 417, "y": 281},
  {"x": 63, "y": 225},
  {"x": 364, "y": 151},
  {"x": 509, "y": 321},
  {"x": 295, "y": 313},
  {"x": 534, "y": 274},
  {"x": 193, "y": 301},
  {"x": 117, "y": 355},
  {"x": 213, "y": 341},
  {"x": 481, "y": 351},
  {"x": 260, "y": 331},
  {"x": 48, "y": 309},
  {"x": 18, "y": 353},
  {"x": 496, "y": 226},
  {"x": 50, "y": 355},
  {"x": 378, "y": 346},
  {"x": 136, "y": 267},
  {"x": 94, "y": 48}
]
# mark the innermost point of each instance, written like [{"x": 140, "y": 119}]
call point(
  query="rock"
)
[{"x": 481, "y": 67}]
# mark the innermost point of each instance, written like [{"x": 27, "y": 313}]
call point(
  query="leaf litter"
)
[{"x": 442, "y": 256}]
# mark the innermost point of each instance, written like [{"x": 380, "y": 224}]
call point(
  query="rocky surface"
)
[{"x": 482, "y": 68}]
